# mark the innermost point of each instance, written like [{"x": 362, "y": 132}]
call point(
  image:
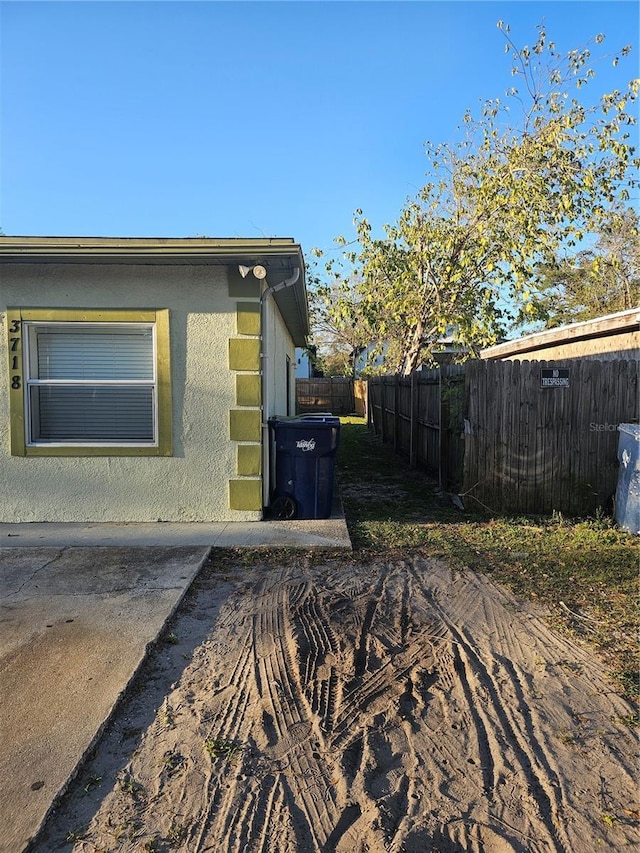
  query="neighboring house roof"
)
[
  {"x": 599, "y": 327},
  {"x": 280, "y": 256}
]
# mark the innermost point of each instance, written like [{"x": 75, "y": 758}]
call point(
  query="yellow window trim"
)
[{"x": 14, "y": 319}]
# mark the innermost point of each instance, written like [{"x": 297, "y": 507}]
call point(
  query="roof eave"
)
[
  {"x": 142, "y": 249},
  {"x": 610, "y": 324}
]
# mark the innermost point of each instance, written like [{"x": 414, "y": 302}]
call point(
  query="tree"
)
[
  {"x": 529, "y": 181},
  {"x": 600, "y": 280},
  {"x": 336, "y": 321}
]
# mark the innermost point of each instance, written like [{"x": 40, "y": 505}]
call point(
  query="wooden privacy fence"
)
[
  {"x": 420, "y": 416},
  {"x": 339, "y": 395},
  {"x": 536, "y": 442},
  {"x": 514, "y": 436}
]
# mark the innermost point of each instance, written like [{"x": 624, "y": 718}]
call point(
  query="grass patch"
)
[{"x": 585, "y": 571}]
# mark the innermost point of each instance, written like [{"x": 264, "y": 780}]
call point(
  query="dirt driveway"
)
[{"x": 350, "y": 706}]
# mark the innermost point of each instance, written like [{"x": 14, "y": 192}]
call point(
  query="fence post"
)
[
  {"x": 413, "y": 422},
  {"x": 443, "y": 416}
]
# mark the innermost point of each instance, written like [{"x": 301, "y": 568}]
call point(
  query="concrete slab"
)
[
  {"x": 321, "y": 533},
  {"x": 75, "y": 624}
]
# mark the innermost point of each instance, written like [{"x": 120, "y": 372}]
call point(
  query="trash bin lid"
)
[
  {"x": 305, "y": 420},
  {"x": 630, "y": 429},
  {"x": 324, "y": 418}
]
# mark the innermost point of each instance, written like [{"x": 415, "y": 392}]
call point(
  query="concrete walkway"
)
[
  {"x": 79, "y": 606},
  {"x": 321, "y": 533}
]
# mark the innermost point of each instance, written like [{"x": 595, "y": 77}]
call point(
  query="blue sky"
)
[{"x": 250, "y": 119}]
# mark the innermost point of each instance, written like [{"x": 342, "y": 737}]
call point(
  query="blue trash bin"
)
[
  {"x": 305, "y": 450},
  {"x": 627, "y": 512}
]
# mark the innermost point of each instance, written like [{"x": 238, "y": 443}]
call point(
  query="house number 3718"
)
[{"x": 14, "y": 357}]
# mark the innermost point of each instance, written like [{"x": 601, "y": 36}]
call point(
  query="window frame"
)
[{"x": 20, "y": 384}]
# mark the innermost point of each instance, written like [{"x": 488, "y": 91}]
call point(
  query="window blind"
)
[
  {"x": 92, "y": 413},
  {"x": 94, "y": 353},
  {"x": 91, "y": 384}
]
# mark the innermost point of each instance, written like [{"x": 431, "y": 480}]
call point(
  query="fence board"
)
[
  {"x": 360, "y": 397},
  {"x": 414, "y": 410},
  {"x": 511, "y": 421},
  {"x": 333, "y": 394},
  {"x": 470, "y": 463},
  {"x": 406, "y": 413},
  {"x": 527, "y": 463}
]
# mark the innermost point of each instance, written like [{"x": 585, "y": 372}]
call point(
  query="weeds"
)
[
  {"x": 128, "y": 829},
  {"x": 93, "y": 781},
  {"x": 567, "y": 738},
  {"x": 223, "y": 748},
  {"x": 128, "y": 784},
  {"x": 177, "y": 832},
  {"x": 172, "y": 760}
]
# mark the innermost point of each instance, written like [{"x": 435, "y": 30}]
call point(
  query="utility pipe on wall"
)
[{"x": 266, "y": 384}]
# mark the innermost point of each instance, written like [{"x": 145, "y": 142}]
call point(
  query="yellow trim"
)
[
  {"x": 92, "y": 451},
  {"x": 244, "y": 354},
  {"x": 163, "y": 366},
  {"x": 249, "y": 460},
  {"x": 244, "y": 424},
  {"x": 245, "y": 495},
  {"x": 87, "y": 315},
  {"x": 248, "y": 389},
  {"x": 248, "y": 318}
]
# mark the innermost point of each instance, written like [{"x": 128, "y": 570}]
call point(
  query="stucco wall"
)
[
  {"x": 191, "y": 485},
  {"x": 280, "y": 346}
]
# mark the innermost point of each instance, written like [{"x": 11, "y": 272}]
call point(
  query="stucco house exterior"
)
[{"x": 140, "y": 374}]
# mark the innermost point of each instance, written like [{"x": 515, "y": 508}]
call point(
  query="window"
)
[{"x": 90, "y": 383}]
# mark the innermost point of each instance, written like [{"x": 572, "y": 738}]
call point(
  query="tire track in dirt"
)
[
  {"x": 224, "y": 727},
  {"x": 317, "y": 651},
  {"x": 505, "y": 722},
  {"x": 274, "y": 639},
  {"x": 527, "y": 751},
  {"x": 361, "y": 651},
  {"x": 393, "y": 708}
]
